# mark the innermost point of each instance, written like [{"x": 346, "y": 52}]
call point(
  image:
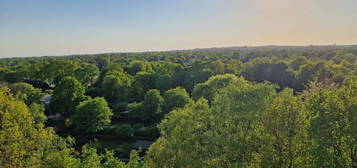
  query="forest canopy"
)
[{"x": 270, "y": 106}]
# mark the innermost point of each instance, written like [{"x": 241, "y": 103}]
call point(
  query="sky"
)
[{"x": 62, "y": 27}]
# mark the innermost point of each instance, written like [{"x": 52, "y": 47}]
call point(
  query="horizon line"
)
[{"x": 183, "y": 49}]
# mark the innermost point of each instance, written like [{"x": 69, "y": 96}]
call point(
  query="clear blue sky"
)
[{"x": 58, "y": 27}]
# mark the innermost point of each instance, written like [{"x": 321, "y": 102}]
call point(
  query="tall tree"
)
[
  {"x": 262, "y": 69},
  {"x": 175, "y": 98},
  {"x": 66, "y": 96},
  {"x": 138, "y": 66},
  {"x": 217, "y": 67},
  {"x": 87, "y": 74},
  {"x": 55, "y": 70},
  {"x": 152, "y": 104},
  {"x": 92, "y": 115},
  {"x": 333, "y": 125},
  {"x": 182, "y": 139},
  {"x": 285, "y": 124},
  {"x": 213, "y": 85},
  {"x": 228, "y": 134},
  {"x": 234, "y": 67},
  {"x": 22, "y": 141},
  {"x": 115, "y": 88},
  {"x": 145, "y": 80},
  {"x": 26, "y": 93}
]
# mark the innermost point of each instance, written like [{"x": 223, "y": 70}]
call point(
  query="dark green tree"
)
[
  {"x": 163, "y": 82},
  {"x": 66, "y": 96},
  {"x": 87, "y": 74},
  {"x": 124, "y": 131},
  {"x": 296, "y": 63},
  {"x": 260, "y": 70},
  {"x": 116, "y": 88},
  {"x": 55, "y": 70},
  {"x": 145, "y": 80},
  {"x": 152, "y": 104},
  {"x": 175, "y": 98},
  {"x": 92, "y": 115}
]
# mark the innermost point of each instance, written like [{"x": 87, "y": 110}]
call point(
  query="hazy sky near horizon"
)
[{"x": 61, "y": 27}]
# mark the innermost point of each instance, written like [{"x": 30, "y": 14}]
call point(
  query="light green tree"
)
[
  {"x": 209, "y": 88},
  {"x": 26, "y": 93},
  {"x": 22, "y": 141},
  {"x": 285, "y": 125},
  {"x": 182, "y": 139},
  {"x": 333, "y": 125},
  {"x": 227, "y": 134},
  {"x": 138, "y": 66}
]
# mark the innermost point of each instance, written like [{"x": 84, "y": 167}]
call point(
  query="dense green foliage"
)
[
  {"x": 225, "y": 107},
  {"x": 25, "y": 143},
  {"x": 333, "y": 125},
  {"x": 213, "y": 85},
  {"x": 92, "y": 115},
  {"x": 67, "y": 96},
  {"x": 250, "y": 125},
  {"x": 175, "y": 98},
  {"x": 152, "y": 104}
]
